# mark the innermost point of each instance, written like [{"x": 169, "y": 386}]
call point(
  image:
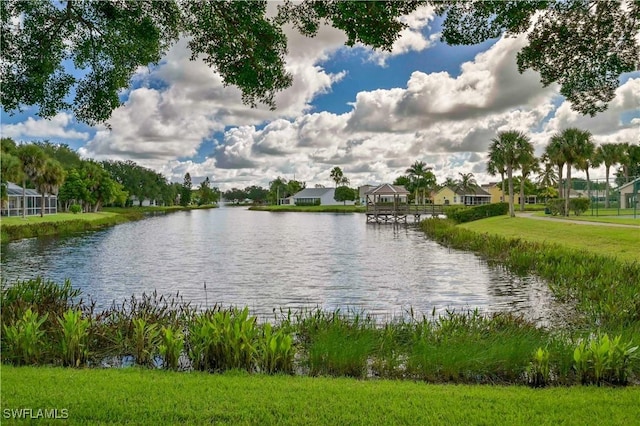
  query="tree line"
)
[
  {"x": 56, "y": 169},
  {"x": 512, "y": 150}
]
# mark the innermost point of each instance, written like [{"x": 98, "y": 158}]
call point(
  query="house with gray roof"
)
[{"x": 317, "y": 197}]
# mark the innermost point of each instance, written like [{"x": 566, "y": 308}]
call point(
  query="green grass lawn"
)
[
  {"x": 101, "y": 396},
  {"x": 58, "y": 217},
  {"x": 624, "y": 243}
]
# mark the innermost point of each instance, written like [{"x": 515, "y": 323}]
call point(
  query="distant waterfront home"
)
[
  {"x": 317, "y": 197},
  {"x": 495, "y": 190},
  {"x": 13, "y": 206},
  {"x": 630, "y": 194},
  {"x": 449, "y": 195},
  {"x": 145, "y": 203}
]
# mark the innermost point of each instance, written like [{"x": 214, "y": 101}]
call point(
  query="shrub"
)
[
  {"x": 468, "y": 214},
  {"x": 75, "y": 208},
  {"x": 275, "y": 350},
  {"x": 579, "y": 205},
  {"x": 556, "y": 206}
]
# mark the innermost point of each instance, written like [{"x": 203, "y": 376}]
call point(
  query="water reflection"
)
[{"x": 270, "y": 260}]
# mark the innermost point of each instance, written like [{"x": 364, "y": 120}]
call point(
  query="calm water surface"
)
[{"x": 270, "y": 260}]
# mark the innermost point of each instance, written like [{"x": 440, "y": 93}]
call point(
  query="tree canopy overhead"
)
[{"x": 582, "y": 45}]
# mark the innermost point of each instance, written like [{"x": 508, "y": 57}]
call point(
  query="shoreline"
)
[{"x": 68, "y": 223}]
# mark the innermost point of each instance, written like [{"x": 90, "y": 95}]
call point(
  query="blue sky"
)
[{"x": 370, "y": 113}]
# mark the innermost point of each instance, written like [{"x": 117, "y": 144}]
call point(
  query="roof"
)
[
  {"x": 13, "y": 189},
  {"x": 387, "y": 189},
  {"x": 477, "y": 192},
  {"x": 313, "y": 192},
  {"x": 629, "y": 184}
]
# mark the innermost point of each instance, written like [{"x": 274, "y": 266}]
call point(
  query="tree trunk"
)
[
  {"x": 606, "y": 188},
  {"x": 566, "y": 200},
  {"x": 512, "y": 212},
  {"x": 522, "y": 194},
  {"x": 560, "y": 191},
  {"x": 42, "y": 204},
  {"x": 502, "y": 183}
]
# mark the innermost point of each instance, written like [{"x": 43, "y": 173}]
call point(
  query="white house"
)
[
  {"x": 317, "y": 197},
  {"x": 15, "y": 202}
]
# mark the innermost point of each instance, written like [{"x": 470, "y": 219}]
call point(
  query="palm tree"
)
[
  {"x": 510, "y": 147},
  {"x": 589, "y": 160},
  {"x": 49, "y": 180},
  {"x": 495, "y": 166},
  {"x": 574, "y": 147},
  {"x": 336, "y": 175},
  {"x": 553, "y": 152},
  {"x": 547, "y": 177},
  {"x": 33, "y": 159},
  {"x": 420, "y": 176},
  {"x": 609, "y": 154},
  {"x": 528, "y": 164},
  {"x": 466, "y": 184}
]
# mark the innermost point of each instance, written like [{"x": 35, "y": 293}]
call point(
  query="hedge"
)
[{"x": 467, "y": 214}]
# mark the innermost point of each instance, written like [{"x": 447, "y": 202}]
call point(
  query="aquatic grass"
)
[
  {"x": 220, "y": 340},
  {"x": 455, "y": 346},
  {"x": 171, "y": 347},
  {"x": 604, "y": 289},
  {"x": 599, "y": 359},
  {"x": 38, "y": 294},
  {"x": 275, "y": 350},
  {"x": 146, "y": 339},
  {"x": 74, "y": 338},
  {"x": 24, "y": 341}
]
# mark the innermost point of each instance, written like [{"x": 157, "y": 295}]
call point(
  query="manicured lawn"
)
[
  {"x": 58, "y": 217},
  {"x": 131, "y": 395},
  {"x": 623, "y": 243}
]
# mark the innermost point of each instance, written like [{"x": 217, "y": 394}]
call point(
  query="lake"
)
[{"x": 267, "y": 260}]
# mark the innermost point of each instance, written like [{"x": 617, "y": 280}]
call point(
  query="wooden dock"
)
[{"x": 377, "y": 213}]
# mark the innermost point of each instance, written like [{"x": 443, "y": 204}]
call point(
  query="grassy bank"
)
[
  {"x": 157, "y": 397},
  {"x": 610, "y": 241},
  {"x": 310, "y": 209},
  {"x": 596, "y": 267},
  {"x": 15, "y": 228}
]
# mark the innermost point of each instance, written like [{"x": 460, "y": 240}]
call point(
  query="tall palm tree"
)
[
  {"x": 467, "y": 185},
  {"x": 528, "y": 164},
  {"x": 336, "y": 175},
  {"x": 33, "y": 159},
  {"x": 49, "y": 180},
  {"x": 588, "y": 160},
  {"x": 510, "y": 147},
  {"x": 495, "y": 166},
  {"x": 547, "y": 176},
  {"x": 573, "y": 146},
  {"x": 608, "y": 154},
  {"x": 553, "y": 152},
  {"x": 419, "y": 174}
]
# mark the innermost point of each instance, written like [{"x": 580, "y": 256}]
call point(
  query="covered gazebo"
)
[{"x": 387, "y": 203}]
